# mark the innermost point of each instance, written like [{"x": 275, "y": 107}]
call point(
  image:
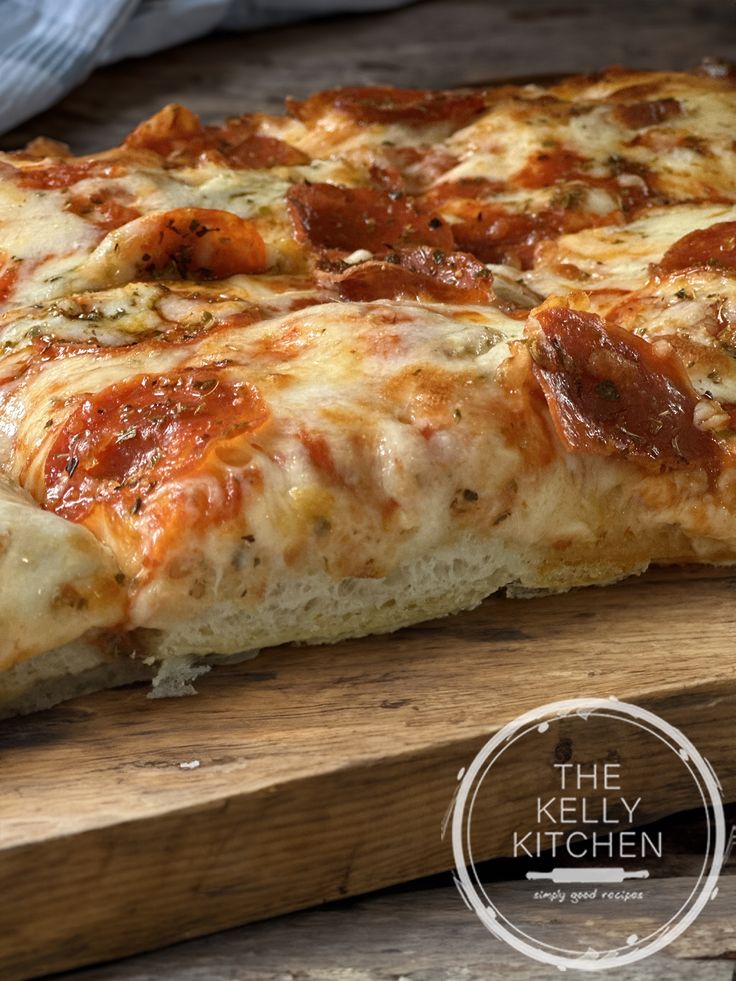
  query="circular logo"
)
[{"x": 572, "y": 792}]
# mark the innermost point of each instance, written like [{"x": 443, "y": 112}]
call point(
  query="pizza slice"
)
[{"x": 340, "y": 371}]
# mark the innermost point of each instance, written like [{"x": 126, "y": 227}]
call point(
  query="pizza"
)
[{"x": 303, "y": 377}]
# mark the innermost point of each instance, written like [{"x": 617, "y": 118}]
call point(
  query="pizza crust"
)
[
  {"x": 312, "y": 609},
  {"x": 317, "y": 609},
  {"x": 77, "y": 668}
]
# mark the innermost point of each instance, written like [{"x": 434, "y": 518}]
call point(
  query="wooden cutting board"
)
[{"x": 310, "y": 774}]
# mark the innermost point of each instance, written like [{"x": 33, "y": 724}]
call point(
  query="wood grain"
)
[
  {"x": 325, "y": 772},
  {"x": 422, "y": 932}
]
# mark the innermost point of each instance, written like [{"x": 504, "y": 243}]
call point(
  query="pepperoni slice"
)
[
  {"x": 386, "y": 104},
  {"x": 611, "y": 393},
  {"x": 64, "y": 173},
  {"x": 547, "y": 167},
  {"x": 186, "y": 243},
  {"x": 416, "y": 274},
  {"x": 638, "y": 115},
  {"x": 491, "y": 232},
  {"x": 706, "y": 248},
  {"x": 124, "y": 442},
  {"x": 494, "y": 234},
  {"x": 251, "y": 151},
  {"x": 177, "y": 134},
  {"x": 498, "y": 235},
  {"x": 343, "y": 218}
]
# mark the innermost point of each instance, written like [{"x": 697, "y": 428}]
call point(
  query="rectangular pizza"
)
[{"x": 306, "y": 377}]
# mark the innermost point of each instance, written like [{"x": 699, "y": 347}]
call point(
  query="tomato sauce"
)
[
  {"x": 107, "y": 208},
  {"x": 320, "y": 454}
]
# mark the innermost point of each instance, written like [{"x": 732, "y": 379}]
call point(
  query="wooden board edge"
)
[{"x": 149, "y": 883}]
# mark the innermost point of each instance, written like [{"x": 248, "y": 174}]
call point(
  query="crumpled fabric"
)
[{"x": 49, "y": 46}]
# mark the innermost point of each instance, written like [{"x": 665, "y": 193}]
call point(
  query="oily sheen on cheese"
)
[{"x": 306, "y": 377}]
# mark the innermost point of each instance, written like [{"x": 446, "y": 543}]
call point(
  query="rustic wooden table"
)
[{"x": 421, "y": 931}]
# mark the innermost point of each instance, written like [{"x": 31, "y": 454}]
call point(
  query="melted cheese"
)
[
  {"x": 582, "y": 119},
  {"x": 696, "y": 313},
  {"x": 618, "y": 257},
  {"x": 37, "y": 227}
]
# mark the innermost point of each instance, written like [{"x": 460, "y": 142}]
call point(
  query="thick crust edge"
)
[{"x": 299, "y": 609}]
